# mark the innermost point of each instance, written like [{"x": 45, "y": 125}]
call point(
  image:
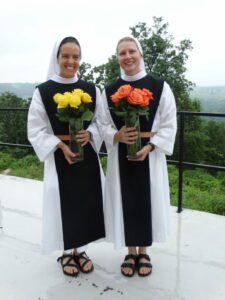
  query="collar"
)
[
  {"x": 135, "y": 77},
  {"x": 60, "y": 79}
]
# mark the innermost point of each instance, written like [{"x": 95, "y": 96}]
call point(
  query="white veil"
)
[
  {"x": 142, "y": 63},
  {"x": 53, "y": 68}
]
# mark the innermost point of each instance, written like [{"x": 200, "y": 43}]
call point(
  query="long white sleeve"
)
[
  {"x": 39, "y": 129},
  {"x": 165, "y": 122},
  {"x": 95, "y": 126},
  {"x": 108, "y": 128}
]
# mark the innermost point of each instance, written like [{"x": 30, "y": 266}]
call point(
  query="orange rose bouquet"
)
[{"x": 129, "y": 104}]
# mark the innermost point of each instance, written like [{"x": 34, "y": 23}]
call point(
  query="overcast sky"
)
[{"x": 29, "y": 29}]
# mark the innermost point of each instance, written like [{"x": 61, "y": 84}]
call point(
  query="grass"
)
[
  {"x": 28, "y": 166},
  {"x": 201, "y": 190}
]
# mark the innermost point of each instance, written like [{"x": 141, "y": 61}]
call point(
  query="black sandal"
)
[
  {"x": 69, "y": 263},
  {"x": 81, "y": 266},
  {"x": 131, "y": 266},
  {"x": 144, "y": 264}
]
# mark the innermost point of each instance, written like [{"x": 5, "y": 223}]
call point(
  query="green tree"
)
[
  {"x": 108, "y": 72},
  {"x": 13, "y": 124},
  {"x": 85, "y": 72},
  {"x": 215, "y": 143},
  {"x": 164, "y": 59}
]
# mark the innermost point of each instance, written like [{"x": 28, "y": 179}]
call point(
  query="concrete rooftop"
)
[{"x": 191, "y": 266}]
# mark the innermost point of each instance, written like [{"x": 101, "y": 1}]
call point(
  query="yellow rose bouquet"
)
[
  {"x": 129, "y": 104},
  {"x": 72, "y": 107}
]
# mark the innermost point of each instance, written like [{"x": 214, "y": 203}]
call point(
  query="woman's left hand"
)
[
  {"x": 83, "y": 137},
  {"x": 141, "y": 155}
]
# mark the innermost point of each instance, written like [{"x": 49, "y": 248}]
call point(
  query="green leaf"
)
[
  {"x": 120, "y": 113},
  {"x": 87, "y": 115}
]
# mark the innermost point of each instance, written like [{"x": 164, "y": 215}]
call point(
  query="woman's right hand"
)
[
  {"x": 69, "y": 155},
  {"x": 126, "y": 135}
]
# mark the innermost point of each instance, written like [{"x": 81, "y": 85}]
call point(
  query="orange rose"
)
[
  {"x": 136, "y": 98},
  {"x": 145, "y": 102},
  {"x": 115, "y": 98},
  {"x": 147, "y": 94},
  {"x": 124, "y": 91}
]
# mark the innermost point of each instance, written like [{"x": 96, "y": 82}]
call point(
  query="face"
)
[
  {"x": 69, "y": 59},
  {"x": 129, "y": 57}
]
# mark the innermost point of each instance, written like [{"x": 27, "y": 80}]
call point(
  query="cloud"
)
[{"x": 29, "y": 29}]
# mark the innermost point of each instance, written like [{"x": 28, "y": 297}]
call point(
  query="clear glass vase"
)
[
  {"x": 74, "y": 126},
  {"x": 132, "y": 149}
]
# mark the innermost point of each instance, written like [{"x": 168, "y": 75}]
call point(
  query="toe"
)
[{"x": 88, "y": 266}]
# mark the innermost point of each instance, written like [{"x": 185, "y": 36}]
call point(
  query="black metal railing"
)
[
  {"x": 180, "y": 163},
  {"x": 11, "y": 144}
]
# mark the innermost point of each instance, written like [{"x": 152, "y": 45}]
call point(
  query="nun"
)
[
  {"x": 73, "y": 193},
  {"x": 137, "y": 200}
]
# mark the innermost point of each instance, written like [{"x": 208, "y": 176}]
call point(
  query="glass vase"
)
[
  {"x": 74, "y": 126},
  {"x": 132, "y": 149}
]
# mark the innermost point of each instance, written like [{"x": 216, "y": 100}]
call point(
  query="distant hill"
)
[
  {"x": 23, "y": 90},
  {"x": 212, "y": 98}
]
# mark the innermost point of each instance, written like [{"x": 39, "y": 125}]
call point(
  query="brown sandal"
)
[
  {"x": 131, "y": 266},
  {"x": 144, "y": 264},
  {"x": 81, "y": 266},
  {"x": 69, "y": 263}
]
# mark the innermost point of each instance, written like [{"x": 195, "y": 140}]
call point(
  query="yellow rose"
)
[
  {"x": 75, "y": 101},
  {"x": 78, "y": 92},
  {"x": 63, "y": 102},
  {"x": 57, "y": 97},
  {"x": 68, "y": 96},
  {"x": 86, "y": 98},
  {"x": 61, "y": 106}
]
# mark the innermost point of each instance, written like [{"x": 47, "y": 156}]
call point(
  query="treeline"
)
[
  {"x": 204, "y": 140},
  {"x": 13, "y": 124},
  {"x": 212, "y": 99},
  {"x": 23, "y": 90}
]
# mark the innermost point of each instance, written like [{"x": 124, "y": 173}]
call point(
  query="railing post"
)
[{"x": 180, "y": 164}]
